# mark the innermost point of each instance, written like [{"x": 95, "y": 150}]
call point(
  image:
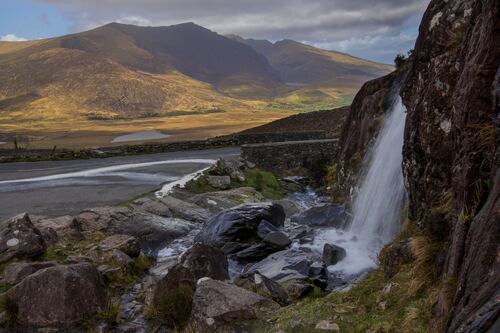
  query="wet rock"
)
[
  {"x": 290, "y": 207},
  {"x": 59, "y": 296},
  {"x": 326, "y": 325},
  {"x": 394, "y": 256},
  {"x": 219, "y": 182},
  {"x": 300, "y": 232},
  {"x": 16, "y": 272},
  {"x": 263, "y": 286},
  {"x": 256, "y": 252},
  {"x": 230, "y": 167},
  {"x": 218, "y": 306},
  {"x": 19, "y": 238},
  {"x": 298, "y": 290},
  {"x": 218, "y": 201},
  {"x": 125, "y": 243},
  {"x": 173, "y": 296},
  {"x": 291, "y": 264},
  {"x": 205, "y": 261},
  {"x": 240, "y": 224},
  {"x": 332, "y": 254},
  {"x": 323, "y": 216},
  {"x": 186, "y": 210}
]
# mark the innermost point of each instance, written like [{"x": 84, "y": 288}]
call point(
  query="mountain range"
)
[{"x": 117, "y": 73}]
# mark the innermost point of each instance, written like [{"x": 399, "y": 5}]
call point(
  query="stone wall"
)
[{"x": 281, "y": 156}]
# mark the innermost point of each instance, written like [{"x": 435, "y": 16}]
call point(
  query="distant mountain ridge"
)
[{"x": 123, "y": 72}]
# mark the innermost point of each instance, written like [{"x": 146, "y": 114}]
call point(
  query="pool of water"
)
[{"x": 140, "y": 136}]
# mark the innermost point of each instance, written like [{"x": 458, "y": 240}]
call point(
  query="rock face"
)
[
  {"x": 19, "y": 238},
  {"x": 240, "y": 225},
  {"x": 323, "y": 216},
  {"x": 451, "y": 151},
  {"x": 59, "y": 296},
  {"x": 219, "y": 182},
  {"x": 205, "y": 261},
  {"x": 218, "y": 306},
  {"x": 218, "y": 201},
  {"x": 16, "y": 272}
]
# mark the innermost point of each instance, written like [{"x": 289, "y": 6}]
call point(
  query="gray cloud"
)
[{"x": 368, "y": 28}]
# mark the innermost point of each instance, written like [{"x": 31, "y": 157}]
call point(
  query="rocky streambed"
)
[{"x": 212, "y": 256}]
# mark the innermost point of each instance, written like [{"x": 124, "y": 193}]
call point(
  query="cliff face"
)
[{"x": 451, "y": 152}]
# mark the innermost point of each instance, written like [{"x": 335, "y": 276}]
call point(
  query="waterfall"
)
[{"x": 378, "y": 204}]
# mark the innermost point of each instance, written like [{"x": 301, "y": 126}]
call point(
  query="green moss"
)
[
  {"x": 265, "y": 182},
  {"x": 199, "y": 185}
]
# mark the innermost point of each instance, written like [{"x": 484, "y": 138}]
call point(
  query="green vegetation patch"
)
[{"x": 265, "y": 182}]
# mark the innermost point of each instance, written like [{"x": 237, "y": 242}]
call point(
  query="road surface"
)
[{"x": 67, "y": 187}]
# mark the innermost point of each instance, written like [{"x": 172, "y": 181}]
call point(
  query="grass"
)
[{"x": 265, "y": 182}]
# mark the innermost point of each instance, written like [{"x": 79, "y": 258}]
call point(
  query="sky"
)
[{"x": 371, "y": 29}]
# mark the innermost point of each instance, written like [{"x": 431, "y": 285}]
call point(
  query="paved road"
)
[{"x": 67, "y": 187}]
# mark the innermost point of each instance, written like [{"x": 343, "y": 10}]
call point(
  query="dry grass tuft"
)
[{"x": 424, "y": 271}]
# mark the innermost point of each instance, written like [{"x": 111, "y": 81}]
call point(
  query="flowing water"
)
[{"x": 376, "y": 214}]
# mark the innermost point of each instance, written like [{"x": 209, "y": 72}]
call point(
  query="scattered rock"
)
[
  {"x": 16, "y": 272},
  {"x": 332, "y": 254},
  {"x": 300, "y": 232},
  {"x": 205, "y": 261},
  {"x": 263, "y": 286},
  {"x": 219, "y": 182},
  {"x": 122, "y": 260},
  {"x": 240, "y": 224},
  {"x": 298, "y": 290},
  {"x": 323, "y": 216},
  {"x": 59, "y": 296},
  {"x": 63, "y": 226},
  {"x": 326, "y": 325},
  {"x": 19, "y": 238},
  {"x": 217, "y": 306},
  {"x": 395, "y": 255},
  {"x": 125, "y": 243}
]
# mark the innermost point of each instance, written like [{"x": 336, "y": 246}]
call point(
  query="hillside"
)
[{"x": 86, "y": 88}]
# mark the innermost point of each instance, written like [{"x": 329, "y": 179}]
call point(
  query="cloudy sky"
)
[{"x": 372, "y": 29}]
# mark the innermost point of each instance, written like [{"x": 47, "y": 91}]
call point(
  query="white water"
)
[{"x": 377, "y": 206}]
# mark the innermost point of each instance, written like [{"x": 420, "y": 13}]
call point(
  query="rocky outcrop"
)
[
  {"x": 451, "y": 152},
  {"x": 19, "y": 238},
  {"x": 205, "y": 261},
  {"x": 58, "y": 296},
  {"x": 219, "y": 306}
]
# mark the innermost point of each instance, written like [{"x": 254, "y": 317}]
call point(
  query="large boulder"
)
[
  {"x": 219, "y": 182},
  {"x": 395, "y": 255},
  {"x": 263, "y": 286},
  {"x": 323, "y": 216},
  {"x": 229, "y": 167},
  {"x": 17, "y": 271},
  {"x": 219, "y": 306},
  {"x": 59, "y": 296},
  {"x": 291, "y": 264},
  {"x": 19, "y": 238},
  {"x": 332, "y": 254},
  {"x": 205, "y": 261},
  {"x": 153, "y": 232},
  {"x": 153, "y": 206},
  {"x": 186, "y": 210},
  {"x": 240, "y": 224},
  {"x": 63, "y": 226},
  {"x": 221, "y": 200},
  {"x": 173, "y": 296}
]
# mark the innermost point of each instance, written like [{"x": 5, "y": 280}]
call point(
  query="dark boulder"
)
[
  {"x": 59, "y": 296},
  {"x": 394, "y": 256},
  {"x": 205, "y": 261},
  {"x": 173, "y": 296},
  {"x": 332, "y": 254},
  {"x": 298, "y": 290},
  {"x": 240, "y": 224},
  {"x": 19, "y": 238},
  {"x": 16, "y": 272},
  {"x": 263, "y": 286},
  {"x": 323, "y": 216}
]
